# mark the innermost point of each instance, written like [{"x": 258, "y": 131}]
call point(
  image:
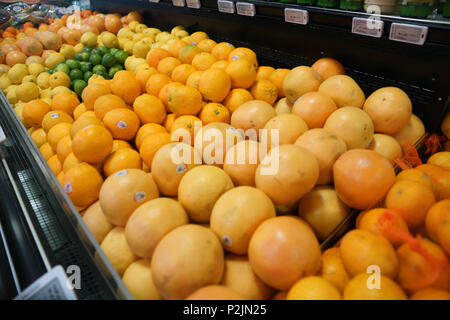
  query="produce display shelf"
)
[{"x": 41, "y": 227}]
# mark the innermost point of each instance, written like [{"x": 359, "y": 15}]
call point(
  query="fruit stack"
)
[{"x": 270, "y": 162}]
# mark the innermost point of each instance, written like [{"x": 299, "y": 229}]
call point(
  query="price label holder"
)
[
  {"x": 408, "y": 33},
  {"x": 193, "y": 4},
  {"x": 179, "y": 3},
  {"x": 368, "y": 27},
  {"x": 225, "y": 6},
  {"x": 153, "y": 1},
  {"x": 297, "y": 16},
  {"x": 246, "y": 9},
  {"x": 53, "y": 285}
]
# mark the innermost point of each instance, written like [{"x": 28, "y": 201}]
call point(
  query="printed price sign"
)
[
  {"x": 178, "y": 3},
  {"x": 408, "y": 33},
  {"x": 297, "y": 16},
  {"x": 368, "y": 27},
  {"x": 225, "y": 6},
  {"x": 194, "y": 4},
  {"x": 154, "y": 1},
  {"x": 245, "y": 9}
]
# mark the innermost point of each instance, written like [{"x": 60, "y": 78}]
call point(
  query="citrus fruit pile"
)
[{"x": 204, "y": 175}]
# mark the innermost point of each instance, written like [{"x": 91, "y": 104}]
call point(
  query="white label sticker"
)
[
  {"x": 54, "y": 285},
  {"x": 54, "y": 116},
  {"x": 194, "y": 4},
  {"x": 154, "y": 1},
  {"x": 140, "y": 196},
  {"x": 245, "y": 9},
  {"x": 296, "y": 16},
  {"x": 225, "y": 6},
  {"x": 368, "y": 27},
  {"x": 226, "y": 241},
  {"x": 408, "y": 33},
  {"x": 181, "y": 168},
  {"x": 121, "y": 124},
  {"x": 178, "y": 3},
  {"x": 121, "y": 173},
  {"x": 68, "y": 188}
]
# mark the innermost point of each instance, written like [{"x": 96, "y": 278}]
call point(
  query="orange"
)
[
  {"x": 198, "y": 36},
  {"x": 39, "y": 137},
  {"x": 182, "y": 72},
  {"x": 64, "y": 148},
  {"x": 70, "y": 162},
  {"x": 387, "y": 146},
  {"x": 125, "y": 85},
  {"x": 112, "y": 23},
  {"x": 149, "y": 109},
  {"x": 417, "y": 176},
  {"x": 389, "y": 108},
  {"x": 203, "y": 61},
  {"x": 215, "y": 293},
  {"x": 96, "y": 222},
  {"x": 203, "y": 264},
  {"x": 169, "y": 121},
  {"x": 134, "y": 16},
  {"x": 281, "y": 295},
  {"x": 187, "y": 125},
  {"x": 156, "y": 55},
  {"x": 167, "y": 65},
  {"x": 222, "y": 50},
  {"x": 92, "y": 92},
  {"x": 264, "y": 90},
  {"x": 235, "y": 98},
  {"x": 313, "y": 288},
  {"x": 243, "y": 53},
  {"x": 440, "y": 177},
  {"x": 242, "y": 73},
  {"x": 156, "y": 82},
  {"x": 85, "y": 120},
  {"x": 143, "y": 74},
  {"x": 361, "y": 249},
  {"x": 185, "y": 100},
  {"x": 299, "y": 81},
  {"x": 82, "y": 184},
  {"x": 314, "y": 108},
  {"x": 344, "y": 91},
  {"x": 92, "y": 144},
  {"x": 326, "y": 147},
  {"x": 123, "y": 192},
  {"x": 54, "y": 164},
  {"x": 362, "y": 178},
  {"x": 241, "y": 161},
  {"x": 138, "y": 280},
  {"x": 264, "y": 72},
  {"x": 214, "y": 112},
  {"x": 253, "y": 114},
  {"x": 146, "y": 130},
  {"x": 275, "y": 255},
  {"x": 221, "y": 64},
  {"x": 33, "y": 113},
  {"x": 333, "y": 270},
  {"x": 176, "y": 46},
  {"x": 46, "y": 151},
  {"x": 440, "y": 159},
  {"x": 214, "y": 85},
  {"x": 166, "y": 91},
  {"x": 277, "y": 78},
  {"x": 120, "y": 144},
  {"x": 187, "y": 53},
  {"x": 125, "y": 158},
  {"x": 328, "y": 67},
  {"x": 431, "y": 294},
  {"x": 231, "y": 220},
  {"x": 117, "y": 251},
  {"x": 57, "y": 132},
  {"x": 54, "y": 117},
  {"x": 194, "y": 79},
  {"x": 122, "y": 123},
  {"x": 206, "y": 45},
  {"x": 151, "y": 145},
  {"x": 370, "y": 221},
  {"x": 443, "y": 233},
  {"x": 152, "y": 221},
  {"x": 412, "y": 201},
  {"x": 107, "y": 103},
  {"x": 357, "y": 289},
  {"x": 435, "y": 216}
]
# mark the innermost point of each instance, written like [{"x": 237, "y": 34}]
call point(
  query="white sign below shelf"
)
[
  {"x": 297, "y": 16},
  {"x": 246, "y": 9},
  {"x": 225, "y": 6},
  {"x": 408, "y": 33},
  {"x": 194, "y": 4},
  {"x": 179, "y": 3},
  {"x": 368, "y": 27}
]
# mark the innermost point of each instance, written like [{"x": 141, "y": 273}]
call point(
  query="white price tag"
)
[
  {"x": 54, "y": 285},
  {"x": 225, "y": 6},
  {"x": 245, "y": 9},
  {"x": 368, "y": 27},
  {"x": 194, "y": 4},
  {"x": 178, "y": 3},
  {"x": 2, "y": 135},
  {"x": 298, "y": 16},
  {"x": 154, "y": 1},
  {"x": 408, "y": 33}
]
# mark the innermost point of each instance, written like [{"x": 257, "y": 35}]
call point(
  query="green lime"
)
[
  {"x": 79, "y": 56},
  {"x": 121, "y": 56},
  {"x": 87, "y": 75},
  {"x": 114, "y": 69},
  {"x": 113, "y": 51},
  {"x": 76, "y": 74},
  {"x": 62, "y": 67},
  {"x": 95, "y": 59},
  {"x": 108, "y": 60},
  {"x": 96, "y": 51},
  {"x": 85, "y": 66},
  {"x": 85, "y": 56},
  {"x": 102, "y": 73},
  {"x": 73, "y": 64},
  {"x": 87, "y": 49},
  {"x": 103, "y": 49},
  {"x": 51, "y": 71},
  {"x": 78, "y": 86},
  {"x": 98, "y": 67}
]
